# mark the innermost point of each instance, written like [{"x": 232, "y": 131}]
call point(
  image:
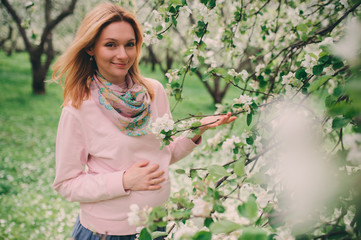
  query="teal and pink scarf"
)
[{"x": 128, "y": 105}]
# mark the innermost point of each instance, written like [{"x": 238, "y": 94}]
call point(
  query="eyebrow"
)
[{"x": 113, "y": 39}]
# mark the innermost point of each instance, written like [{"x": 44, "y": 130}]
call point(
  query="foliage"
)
[
  {"x": 292, "y": 172},
  {"x": 29, "y": 207}
]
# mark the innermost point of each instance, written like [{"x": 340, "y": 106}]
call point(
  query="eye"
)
[
  {"x": 110, "y": 44},
  {"x": 130, "y": 44}
]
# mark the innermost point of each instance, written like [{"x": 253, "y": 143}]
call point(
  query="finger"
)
[
  {"x": 154, "y": 187},
  {"x": 156, "y": 174},
  {"x": 142, "y": 163},
  {"x": 152, "y": 168},
  {"x": 232, "y": 119},
  {"x": 156, "y": 181}
]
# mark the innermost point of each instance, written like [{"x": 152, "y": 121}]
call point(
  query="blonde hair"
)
[{"x": 75, "y": 64}]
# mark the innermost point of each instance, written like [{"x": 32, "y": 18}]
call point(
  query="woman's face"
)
[{"x": 115, "y": 51}]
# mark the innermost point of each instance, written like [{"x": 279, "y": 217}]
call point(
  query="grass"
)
[{"x": 30, "y": 208}]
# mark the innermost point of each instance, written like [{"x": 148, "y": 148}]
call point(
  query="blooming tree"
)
[{"x": 292, "y": 171}]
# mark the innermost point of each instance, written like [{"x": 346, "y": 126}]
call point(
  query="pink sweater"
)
[{"x": 86, "y": 137}]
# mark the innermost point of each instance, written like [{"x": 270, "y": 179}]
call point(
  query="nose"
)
[{"x": 122, "y": 53}]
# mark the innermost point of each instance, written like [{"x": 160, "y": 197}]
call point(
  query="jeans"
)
[{"x": 82, "y": 233}]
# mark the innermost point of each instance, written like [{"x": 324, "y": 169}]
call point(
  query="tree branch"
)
[
  {"x": 17, "y": 20},
  {"x": 53, "y": 23}
]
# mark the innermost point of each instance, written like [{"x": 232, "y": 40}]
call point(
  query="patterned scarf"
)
[{"x": 128, "y": 107}]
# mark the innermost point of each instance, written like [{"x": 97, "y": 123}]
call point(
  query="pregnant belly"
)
[{"x": 117, "y": 209}]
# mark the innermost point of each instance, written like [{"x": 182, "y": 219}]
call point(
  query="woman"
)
[{"x": 106, "y": 156}]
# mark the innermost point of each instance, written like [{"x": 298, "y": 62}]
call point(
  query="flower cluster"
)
[
  {"x": 201, "y": 208},
  {"x": 243, "y": 103},
  {"x": 172, "y": 75},
  {"x": 163, "y": 126},
  {"x": 243, "y": 74},
  {"x": 138, "y": 217}
]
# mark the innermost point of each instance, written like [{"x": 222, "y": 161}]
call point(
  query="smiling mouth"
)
[{"x": 120, "y": 64}]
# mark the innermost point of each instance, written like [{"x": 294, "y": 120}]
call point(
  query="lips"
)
[{"x": 120, "y": 64}]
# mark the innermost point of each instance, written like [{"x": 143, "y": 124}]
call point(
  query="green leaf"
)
[
  {"x": 29, "y": 4},
  {"x": 238, "y": 168},
  {"x": 249, "y": 140},
  {"x": 337, "y": 65},
  {"x": 338, "y": 91},
  {"x": 302, "y": 27},
  {"x": 304, "y": 91},
  {"x": 339, "y": 122},
  {"x": 251, "y": 233},
  {"x": 235, "y": 150},
  {"x": 218, "y": 171},
  {"x": 144, "y": 235},
  {"x": 174, "y": 20},
  {"x": 181, "y": 214},
  {"x": 254, "y": 105},
  {"x": 324, "y": 59},
  {"x": 249, "y": 119},
  {"x": 160, "y": 36},
  {"x": 248, "y": 209},
  {"x": 208, "y": 222},
  {"x": 202, "y": 235},
  {"x": 224, "y": 226},
  {"x": 301, "y": 74},
  {"x": 158, "y": 28},
  {"x": 219, "y": 208},
  {"x": 237, "y": 105},
  {"x": 158, "y": 234},
  {"x": 180, "y": 171},
  {"x": 196, "y": 124},
  {"x": 177, "y": 94},
  {"x": 317, "y": 69},
  {"x": 318, "y": 83}
]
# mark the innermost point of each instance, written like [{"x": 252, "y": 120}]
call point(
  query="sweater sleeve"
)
[
  {"x": 180, "y": 146},
  {"x": 71, "y": 181}
]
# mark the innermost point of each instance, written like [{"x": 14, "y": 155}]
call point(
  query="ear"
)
[{"x": 90, "y": 51}]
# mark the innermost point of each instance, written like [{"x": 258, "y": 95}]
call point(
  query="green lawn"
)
[{"x": 30, "y": 208}]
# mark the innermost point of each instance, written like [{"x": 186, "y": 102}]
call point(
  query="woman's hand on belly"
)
[{"x": 142, "y": 176}]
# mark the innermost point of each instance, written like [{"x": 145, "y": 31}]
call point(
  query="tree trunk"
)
[
  {"x": 40, "y": 69},
  {"x": 38, "y": 72}
]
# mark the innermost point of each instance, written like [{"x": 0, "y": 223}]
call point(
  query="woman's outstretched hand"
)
[
  {"x": 142, "y": 176},
  {"x": 212, "y": 122}
]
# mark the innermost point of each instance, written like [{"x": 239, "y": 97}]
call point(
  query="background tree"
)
[{"x": 42, "y": 47}]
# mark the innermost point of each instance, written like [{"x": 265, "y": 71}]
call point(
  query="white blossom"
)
[
  {"x": 243, "y": 99},
  {"x": 354, "y": 142},
  {"x": 217, "y": 139},
  {"x": 326, "y": 41},
  {"x": 207, "y": 14},
  {"x": 201, "y": 208},
  {"x": 133, "y": 215},
  {"x": 184, "y": 232},
  {"x": 349, "y": 46},
  {"x": 258, "y": 69},
  {"x": 287, "y": 79},
  {"x": 229, "y": 144},
  {"x": 157, "y": 16},
  {"x": 162, "y": 123},
  {"x": 220, "y": 108},
  {"x": 308, "y": 63},
  {"x": 185, "y": 11},
  {"x": 254, "y": 84},
  {"x": 344, "y": 3},
  {"x": 172, "y": 75},
  {"x": 232, "y": 72}
]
